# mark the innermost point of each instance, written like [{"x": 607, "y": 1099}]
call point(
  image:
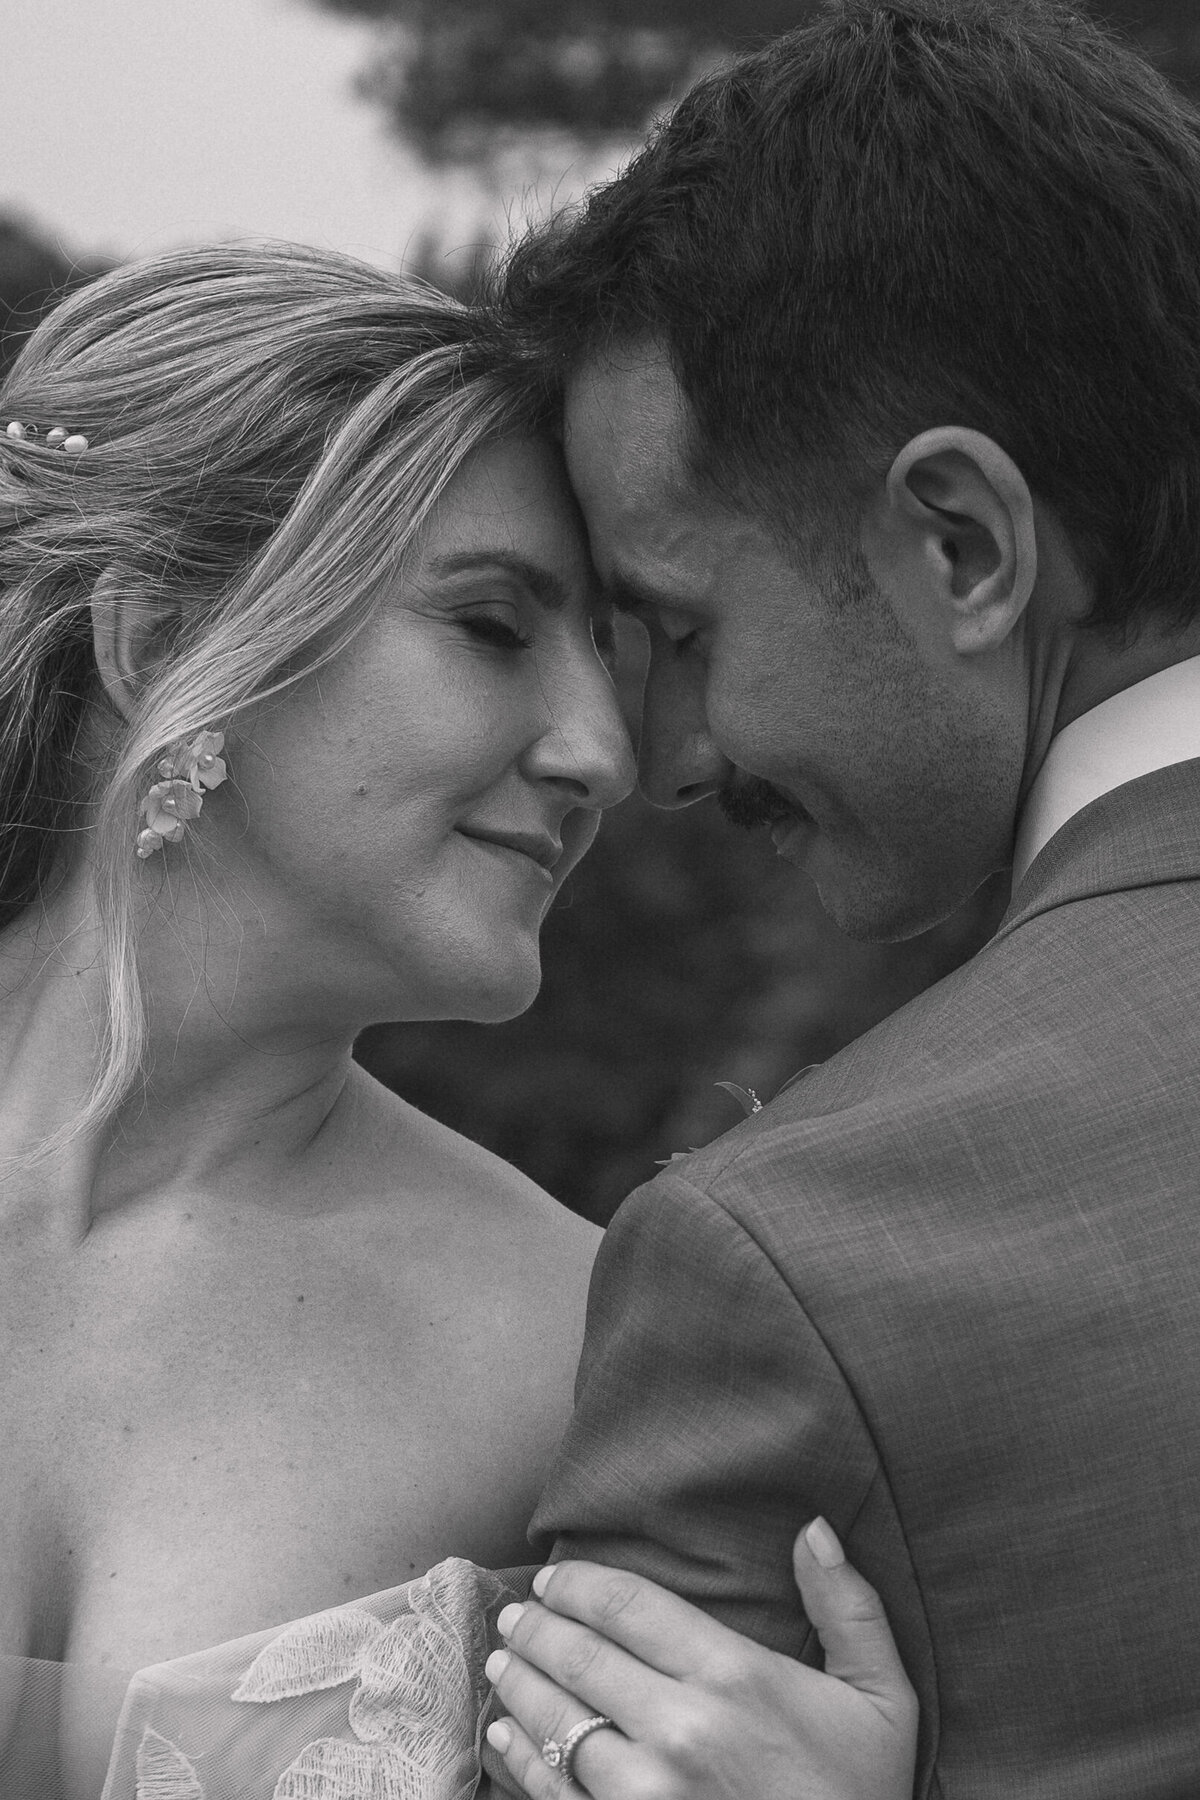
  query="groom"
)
[{"x": 881, "y": 373}]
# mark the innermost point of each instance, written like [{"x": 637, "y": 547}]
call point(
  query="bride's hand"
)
[{"x": 698, "y": 1712}]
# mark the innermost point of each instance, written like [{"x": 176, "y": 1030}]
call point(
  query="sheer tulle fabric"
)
[{"x": 380, "y": 1699}]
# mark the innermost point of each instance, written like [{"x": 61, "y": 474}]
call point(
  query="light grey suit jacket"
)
[{"x": 946, "y": 1291}]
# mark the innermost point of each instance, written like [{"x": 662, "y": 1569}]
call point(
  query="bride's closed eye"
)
[{"x": 503, "y": 634}]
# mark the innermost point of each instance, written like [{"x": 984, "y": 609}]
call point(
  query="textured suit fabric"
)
[{"x": 946, "y": 1291}]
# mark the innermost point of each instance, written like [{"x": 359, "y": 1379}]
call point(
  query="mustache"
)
[{"x": 750, "y": 803}]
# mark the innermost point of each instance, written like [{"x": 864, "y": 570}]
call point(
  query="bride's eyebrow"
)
[{"x": 546, "y": 588}]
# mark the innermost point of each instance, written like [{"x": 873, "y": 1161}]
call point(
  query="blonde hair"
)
[{"x": 268, "y": 429}]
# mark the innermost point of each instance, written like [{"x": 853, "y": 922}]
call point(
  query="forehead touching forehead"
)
[
  {"x": 663, "y": 513},
  {"x": 625, "y": 408},
  {"x": 510, "y": 508},
  {"x": 628, "y": 432}
]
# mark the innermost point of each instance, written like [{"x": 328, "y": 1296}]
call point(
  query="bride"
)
[{"x": 304, "y": 721}]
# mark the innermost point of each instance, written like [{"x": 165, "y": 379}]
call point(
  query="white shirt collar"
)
[{"x": 1148, "y": 726}]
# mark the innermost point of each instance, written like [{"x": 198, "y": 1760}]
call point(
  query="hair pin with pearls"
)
[{"x": 57, "y": 438}]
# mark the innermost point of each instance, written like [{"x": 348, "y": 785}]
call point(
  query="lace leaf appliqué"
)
[
  {"x": 418, "y": 1698},
  {"x": 320, "y": 1652},
  {"x": 331, "y": 1770},
  {"x": 421, "y": 1678},
  {"x": 164, "y": 1772}
]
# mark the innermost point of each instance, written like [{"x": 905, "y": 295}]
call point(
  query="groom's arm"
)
[{"x": 710, "y": 1419}]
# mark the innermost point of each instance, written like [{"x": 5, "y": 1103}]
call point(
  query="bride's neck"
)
[{"x": 241, "y": 1076}]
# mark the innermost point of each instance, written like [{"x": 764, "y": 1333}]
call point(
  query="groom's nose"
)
[{"x": 678, "y": 762}]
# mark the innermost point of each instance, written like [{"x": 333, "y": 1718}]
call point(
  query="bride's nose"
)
[{"x": 585, "y": 743}]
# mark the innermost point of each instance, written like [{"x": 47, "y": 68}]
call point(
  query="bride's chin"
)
[
  {"x": 492, "y": 993},
  {"x": 493, "y": 1006}
]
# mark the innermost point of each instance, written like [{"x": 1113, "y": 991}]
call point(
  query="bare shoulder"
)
[
  {"x": 502, "y": 1273},
  {"x": 510, "y": 1216}
]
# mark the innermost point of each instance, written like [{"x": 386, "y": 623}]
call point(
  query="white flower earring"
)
[{"x": 187, "y": 771}]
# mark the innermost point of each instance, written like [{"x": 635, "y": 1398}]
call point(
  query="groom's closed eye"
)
[
  {"x": 638, "y": 601},
  {"x": 603, "y": 635}
]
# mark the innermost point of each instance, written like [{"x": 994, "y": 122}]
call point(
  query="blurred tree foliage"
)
[
  {"x": 460, "y": 78},
  {"x": 454, "y": 76}
]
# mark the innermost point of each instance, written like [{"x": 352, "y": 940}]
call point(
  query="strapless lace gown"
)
[{"x": 381, "y": 1699}]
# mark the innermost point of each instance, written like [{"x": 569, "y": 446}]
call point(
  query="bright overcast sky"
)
[{"x": 133, "y": 125}]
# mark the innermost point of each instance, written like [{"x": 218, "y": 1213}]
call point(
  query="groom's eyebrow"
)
[{"x": 546, "y": 588}]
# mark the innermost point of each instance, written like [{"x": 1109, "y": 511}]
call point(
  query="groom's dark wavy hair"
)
[{"x": 914, "y": 213}]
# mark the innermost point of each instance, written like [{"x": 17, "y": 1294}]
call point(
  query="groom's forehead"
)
[
  {"x": 625, "y": 445},
  {"x": 625, "y": 415}
]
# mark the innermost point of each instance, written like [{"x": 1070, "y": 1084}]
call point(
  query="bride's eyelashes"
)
[
  {"x": 503, "y": 634},
  {"x": 499, "y": 632}
]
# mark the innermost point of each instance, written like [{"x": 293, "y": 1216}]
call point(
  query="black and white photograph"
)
[{"x": 600, "y": 900}]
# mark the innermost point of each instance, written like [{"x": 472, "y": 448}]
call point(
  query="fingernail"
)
[
  {"x": 541, "y": 1581},
  {"x": 822, "y": 1541},
  {"x": 496, "y": 1664},
  {"x": 506, "y": 1624},
  {"x": 499, "y": 1735}
]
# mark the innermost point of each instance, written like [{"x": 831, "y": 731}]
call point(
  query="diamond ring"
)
[{"x": 562, "y": 1756}]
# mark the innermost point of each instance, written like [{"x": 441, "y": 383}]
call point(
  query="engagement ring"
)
[{"x": 562, "y": 1756}]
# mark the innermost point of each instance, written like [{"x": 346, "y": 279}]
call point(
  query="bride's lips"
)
[{"x": 536, "y": 847}]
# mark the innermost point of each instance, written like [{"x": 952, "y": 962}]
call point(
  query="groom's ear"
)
[
  {"x": 131, "y": 636},
  {"x": 951, "y": 538}
]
